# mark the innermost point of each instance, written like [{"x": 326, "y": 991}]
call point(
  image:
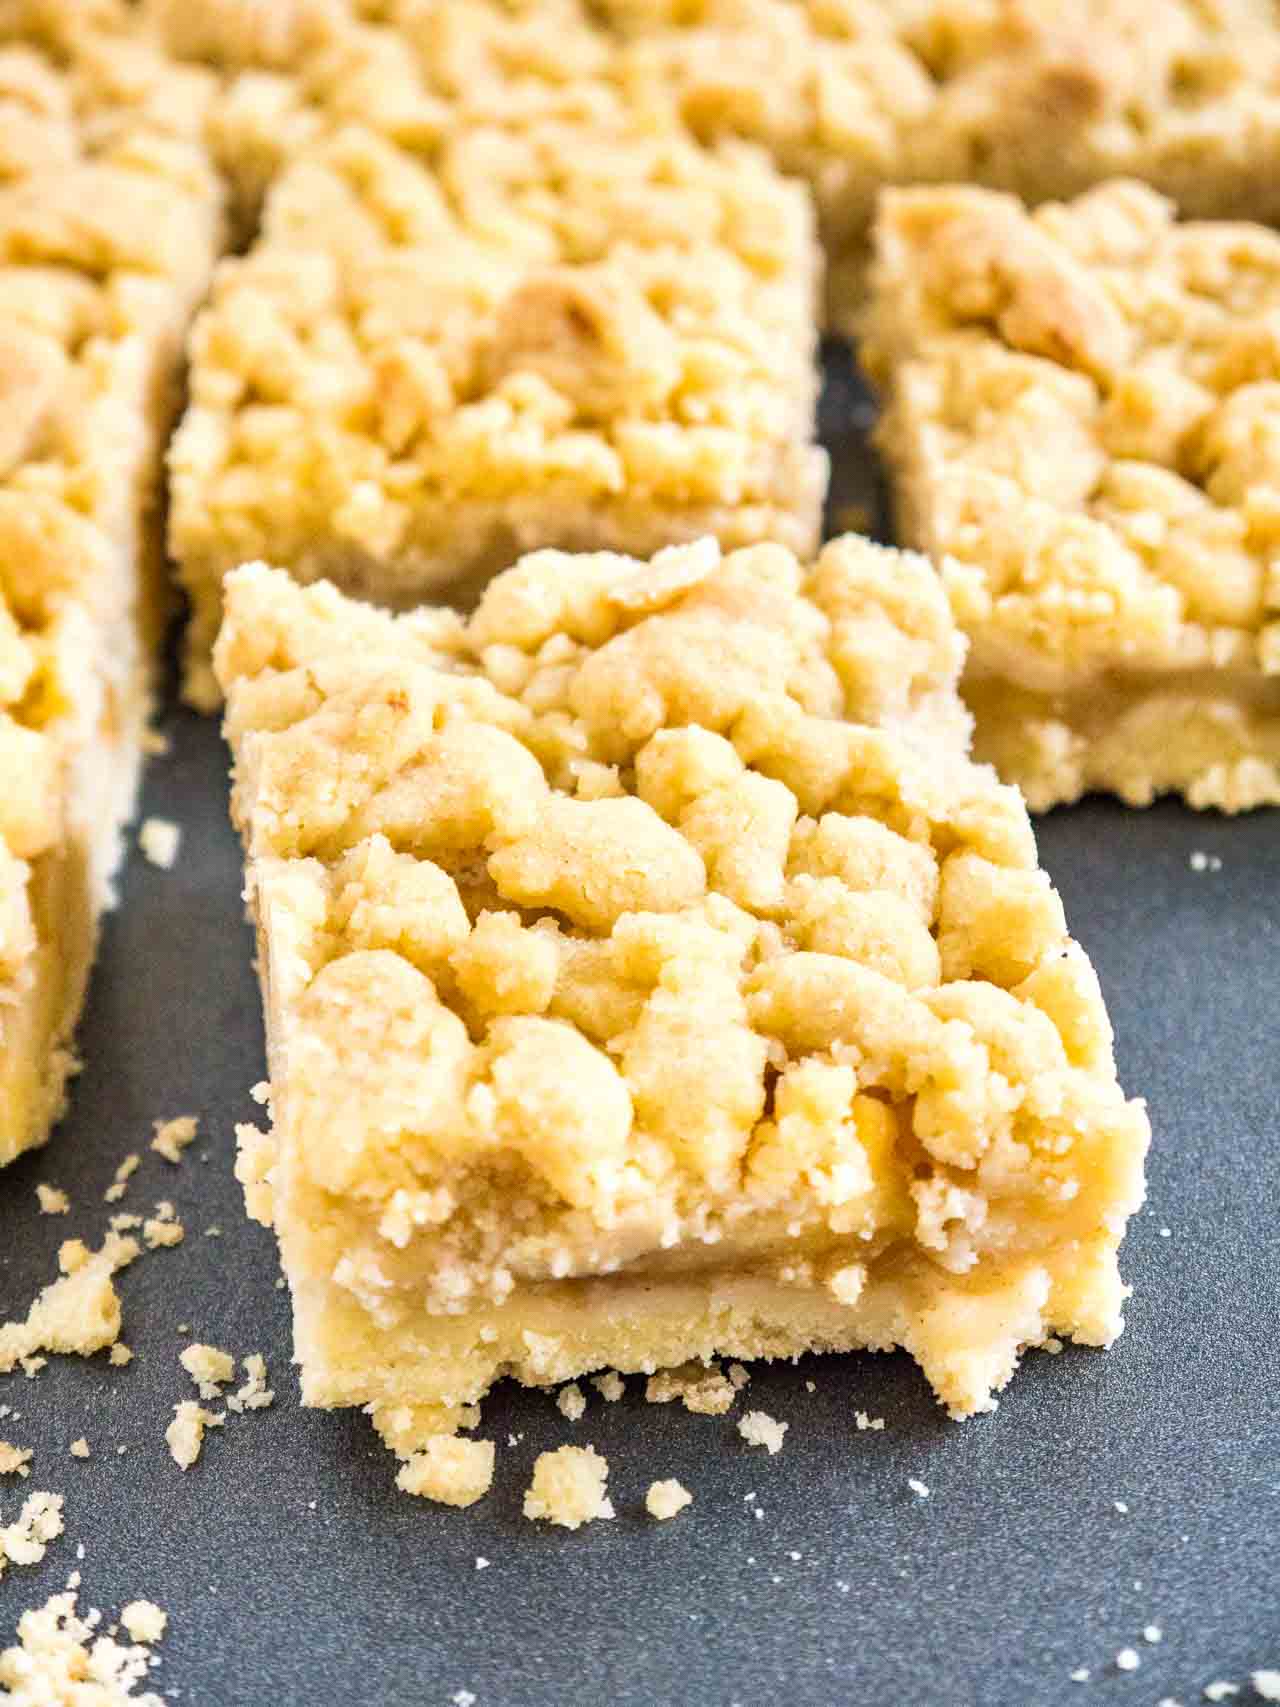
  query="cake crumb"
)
[
  {"x": 1220, "y": 1691},
  {"x": 1053, "y": 1345},
  {"x": 163, "y": 1229},
  {"x": 482, "y": 1564},
  {"x": 79, "y": 1448},
  {"x": 144, "y": 1620},
  {"x": 571, "y": 1402},
  {"x": 1128, "y": 1659},
  {"x": 1121, "y": 1507},
  {"x": 1201, "y": 861},
  {"x": 123, "y": 1174},
  {"x": 26, "y": 1539},
  {"x": 1266, "y": 1683},
  {"x": 159, "y": 839},
  {"x": 666, "y": 1499},
  {"x": 702, "y": 1388},
  {"x": 450, "y": 1470},
  {"x": 758, "y": 1428},
  {"x": 253, "y": 1394},
  {"x": 79, "y": 1313},
  {"x": 58, "y": 1658},
  {"x": 120, "y": 1354},
  {"x": 1152, "y": 1633},
  {"x": 568, "y": 1487},
  {"x": 185, "y": 1434},
  {"x": 1080, "y": 1675},
  {"x": 15, "y": 1460},
  {"x": 739, "y": 1375},
  {"x": 52, "y": 1199},
  {"x": 463, "y": 1698},
  {"x": 610, "y": 1386},
  {"x": 173, "y": 1136},
  {"x": 918, "y": 1488},
  {"x": 866, "y": 1422},
  {"x": 31, "y": 1366},
  {"x": 208, "y": 1367}
]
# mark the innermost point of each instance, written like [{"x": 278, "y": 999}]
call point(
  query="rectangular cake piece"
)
[
  {"x": 650, "y": 975},
  {"x": 1045, "y": 98},
  {"x": 1083, "y": 426},
  {"x": 109, "y": 217},
  {"x": 576, "y": 332}
]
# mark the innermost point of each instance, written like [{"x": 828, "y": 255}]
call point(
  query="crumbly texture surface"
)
[
  {"x": 26, "y": 1540},
  {"x": 109, "y": 220},
  {"x": 758, "y": 1428},
  {"x": 59, "y": 1657},
  {"x": 568, "y": 1487},
  {"x": 1083, "y": 424},
  {"x": 576, "y": 331},
  {"x": 650, "y": 976},
  {"x": 185, "y": 1434},
  {"x": 79, "y": 1313}
]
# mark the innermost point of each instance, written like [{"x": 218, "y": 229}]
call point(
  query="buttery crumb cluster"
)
[
  {"x": 1084, "y": 419},
  {"x": 650, "y": 974}
]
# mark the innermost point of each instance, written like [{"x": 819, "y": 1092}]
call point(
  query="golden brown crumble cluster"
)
[
  {"x": 671, "y": 911},
  {"x": 1084, "y": 417}
]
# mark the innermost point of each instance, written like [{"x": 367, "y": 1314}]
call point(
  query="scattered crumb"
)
[
  {"x": 568, "y": 1487},
  {"x": 1166, "y": 1232},
  {"x": 1220, "y": 1691},
  {"x": 1168, "y": 1701},
  {"x": 77, "y": 1313},
  {"x": 144, "y": 1620},
  {"x": 758, "y": 1428},
  {"x": 185, "y": 1434},
  {"x": 739, "y": 1375},
  {"x": 864, "y": 1421},
  {"x": 120, "y": 1354},
  {"x": 1080, "y": 1675},
  {"x": 666, "y": 1499},
  {"x": 811, "y": 1386},
  {"x": 253, "y": 1394},
  {"x": 919, "y": 1488},
  {"x": 1053, "y": 1345},
  {"x": 173, "y": 1136},
  {"x": 1128, "y": 1659},
  {"x": 1266, "y": 1684},
  {"x": 124, "y": 1173},
  {"x": 14, "y": 1460},
  {"x": 208, "y": 1367},
  {"x": 213, "y": 1232},
  {"x": 571, "y": 1402},
  {"x": 463, "y": 1698},
  {"x": 1201, "y": 861},
  {"x": 31, "y": 1366},
  {"x": 25, "y": 1540},
  {"x": 1121, "y": 1507},
  {"x": 482, "y": 1564},
  {"x": 1153, "y": 1634},
  {"x": 53, "y": 1200},
  {"x": 59, "y": 1659},
  {"x": 80, "y": 1448},
  {"x": 703, "y": 1388},
  {"x": 449, "y": 1470},
  {"x": 159, "y": 839},
  {"x": 163, "y": 1229},
  {"x": 610, "y": 1386}
]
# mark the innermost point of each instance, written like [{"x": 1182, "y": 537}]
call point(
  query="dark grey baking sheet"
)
[{"x": 293, "y": 1573}]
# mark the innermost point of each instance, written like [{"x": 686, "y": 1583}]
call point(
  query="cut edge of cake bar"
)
[
  {"x": 109, "y": 223},
  {"x": 1082, "y": 415},
  {"x": 650, "y": 976}
]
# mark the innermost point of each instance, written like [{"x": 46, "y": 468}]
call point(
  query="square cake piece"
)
[
  {"x": 1045, "y": 98},
  {"x": 650, "y": 975},
  {"x": 579, "y": 331},
  {"x": 109, "y": 219},
  {"x": 1082, "y": 425}
]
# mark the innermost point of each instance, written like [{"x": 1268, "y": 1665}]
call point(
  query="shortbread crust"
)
[
  {"x": 109, "y": 217},
  {"x": 1083, "y": 425},
  {"x": 649, "y": 976}
]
